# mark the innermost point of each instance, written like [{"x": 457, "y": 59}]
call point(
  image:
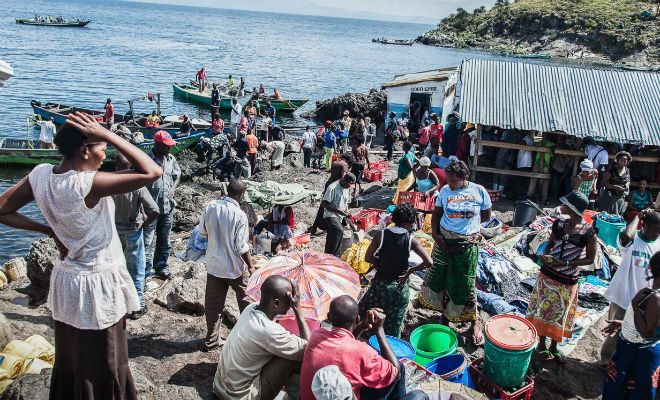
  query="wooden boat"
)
[
  {"x": 191, "y": 93},
  {"x": 134, "y": 122},
  {"x": 26, "y": 152},
  {"x": 399, "y": 42},
  {"x": 79, "y": 23}
]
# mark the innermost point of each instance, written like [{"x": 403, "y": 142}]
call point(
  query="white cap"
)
[{"x": 330, "y": 384}]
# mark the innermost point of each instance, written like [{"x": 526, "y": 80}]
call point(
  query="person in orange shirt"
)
[{"x": 253, "y": 144}]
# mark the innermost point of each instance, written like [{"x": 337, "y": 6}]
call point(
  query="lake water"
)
[{"x": 131, "y": 49}]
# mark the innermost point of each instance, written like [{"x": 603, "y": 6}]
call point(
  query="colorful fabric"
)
[
  {"x": 586, "y": 187},
  {"x": 569, "y": 247},
  {"x": 449, "y": 284},
  {"x": 552, "y": 308},
  {"x": 640, "y": 201},
  {"x": 404, "y": 169},
  {"x": 633, "y": 371},
  {"x": 402, "y": 186},
  {"x": 392, "y": 297}
]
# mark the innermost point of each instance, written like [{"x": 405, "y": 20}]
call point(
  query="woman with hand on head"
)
[{"x": 91, "y": 290}]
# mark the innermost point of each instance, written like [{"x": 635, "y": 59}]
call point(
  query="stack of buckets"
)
[{"x": 510, "y": 341}]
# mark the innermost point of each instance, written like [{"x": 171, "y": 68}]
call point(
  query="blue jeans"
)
[
  {"x": 160, "y": 228},
  {"x": 133, "y": 245},
  {"x": 307, "y": 157},
  {"x": 632, "y": 371},
  {"x": 394, "y": 391}
]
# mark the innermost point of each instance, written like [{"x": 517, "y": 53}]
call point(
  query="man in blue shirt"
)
[
  {"x": 330, "y": 143},
  {"x": 271, "y": 111}
]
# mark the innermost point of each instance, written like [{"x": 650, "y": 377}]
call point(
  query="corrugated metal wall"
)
[{"x": 611, "y": 105}]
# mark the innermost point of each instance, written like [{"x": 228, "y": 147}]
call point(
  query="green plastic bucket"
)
[
  {"x": 608, "y": 231},
  {"x": 510, "y": 341},
  {"x": 433, "y": 341}
]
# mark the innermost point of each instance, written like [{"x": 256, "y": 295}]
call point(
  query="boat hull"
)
[
  {"x": 192, "y": 94},
  {"x": 283, "y": 105},
  {"x": 22, "y": 157},
  {"x": 77, "y": 24},
  {"x": 60, "y": 115}
]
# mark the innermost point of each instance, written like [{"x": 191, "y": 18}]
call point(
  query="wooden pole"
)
[{"x": 475, "y": 160}]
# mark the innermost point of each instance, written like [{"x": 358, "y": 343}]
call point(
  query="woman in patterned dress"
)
[
  {"x": 553, "y": 302},
  {"x": 388, "y": 253}
]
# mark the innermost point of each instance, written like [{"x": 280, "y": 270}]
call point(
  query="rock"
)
[
  {"x": 143, "y": 386},
  {"x": 40, "y": 260},
  {"x": 292, "y": 146},
  {"x": 185, "y": 293},
  {"x": 190, "y": 204},
  {"x": 29, "y": 387},
  {"x": 231, "y": 311},
  {"x": 19, "y": 263},
  {"x": 370, "y": 105},
  {"x": 5, "y": 331}
]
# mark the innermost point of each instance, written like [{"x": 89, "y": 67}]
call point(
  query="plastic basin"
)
[
  {"x": 401, "y": 348},
  {"x": 433, "y": 341},
  {"x": 453, "y": 368}
]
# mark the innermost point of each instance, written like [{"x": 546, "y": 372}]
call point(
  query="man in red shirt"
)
[
  {"x": 372, "y": 376},
  {"x": 109, "y": 113},
  {"x": 201, "y": 79},
  {"x": 436, "y": 128}
]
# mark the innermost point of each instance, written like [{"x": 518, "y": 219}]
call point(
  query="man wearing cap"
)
[
  {"x": 162, "y": 191},
  {"x": 371, "y": 375},
  {"x": 335, "y": 204}
]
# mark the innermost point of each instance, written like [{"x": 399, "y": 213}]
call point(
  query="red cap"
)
[
  {"x": 346, "y": 112},
  {"x": 164, "y": 138}
]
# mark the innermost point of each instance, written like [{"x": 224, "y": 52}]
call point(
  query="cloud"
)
[{"x": 420, "y": 11}]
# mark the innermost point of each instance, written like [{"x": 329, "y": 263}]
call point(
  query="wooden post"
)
[
  {"x": 576, "y": 163},
  {"x": 475, "y": 160}
]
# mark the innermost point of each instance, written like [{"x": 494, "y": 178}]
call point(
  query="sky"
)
[{"x": 417, "y": 11}]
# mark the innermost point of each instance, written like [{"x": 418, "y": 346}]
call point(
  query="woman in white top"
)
[
  {"x": 633, "y": 371},
  {"x": 90, "y": 289}
]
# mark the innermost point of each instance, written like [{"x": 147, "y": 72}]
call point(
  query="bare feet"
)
[{"x": 477, "y": 334}]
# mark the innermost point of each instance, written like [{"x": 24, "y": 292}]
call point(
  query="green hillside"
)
[{"x": 617, "y": 30}]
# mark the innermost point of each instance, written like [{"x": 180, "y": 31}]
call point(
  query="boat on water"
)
[
  {"x": 400, "y": 42},
  {"x": 192, "y": 93},
  {"x": 134, "y": 122},
  {"x": 26, "y": 152},
  {"x": 77, "y": 23},
  {"x": 6, "y": 71}
]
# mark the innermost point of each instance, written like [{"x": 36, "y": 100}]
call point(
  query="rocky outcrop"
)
[
  {"x": 370, "y": 105},
  {"x": 40, "y": 259},
  {"x": 29, "y": 387},
  {"x": 190, "y": 200}
]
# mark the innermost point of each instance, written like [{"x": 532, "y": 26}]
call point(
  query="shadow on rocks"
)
[{"x": 200, "y": 376}]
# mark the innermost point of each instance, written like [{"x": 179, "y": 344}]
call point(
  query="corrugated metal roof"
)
[
  {"x": 607, "y": 104},
  {"x": 423, "y": 76}
]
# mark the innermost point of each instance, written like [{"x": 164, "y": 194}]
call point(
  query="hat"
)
[
  {"x": 346, "y": 112},
  {"x": 164, "y": 138},
  {"x": 576, "y": 201},
  {"x": 330, "y": 384},
  {"x": 328, "y": 123},
  {"x": 469, "y": 126},
  {"x": 425, "y": 162},
  {"x": 350, "y": 178},
  {"x": 586, "y": 165}
]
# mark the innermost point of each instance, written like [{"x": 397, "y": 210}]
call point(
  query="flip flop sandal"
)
[
  {"x": 545, "y": 355},
  {"x": 560, "y": 358}
]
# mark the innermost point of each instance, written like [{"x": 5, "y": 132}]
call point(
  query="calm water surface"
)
[{"x": 131, "y": 49}]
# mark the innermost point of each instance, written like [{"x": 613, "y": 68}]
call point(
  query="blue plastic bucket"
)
[
  {"x": 401, "y": 348},
  {"x": 453, "y": 368}
]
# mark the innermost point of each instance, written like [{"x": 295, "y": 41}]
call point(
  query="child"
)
[
  {"x": 638, "y": 200},
  {"x": 585, "y": 182}
]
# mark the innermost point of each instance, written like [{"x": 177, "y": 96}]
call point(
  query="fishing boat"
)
[
  {"x": 78, "y": 23},
  {"x": 134, "y": 122},
  {"x": 400, "y": 42},
  {"x": 26, "y": 152},
  {"x": 283, "y": 105},
  {"x": 6, "y": 71},
  {"x": 192, "y": 93}
]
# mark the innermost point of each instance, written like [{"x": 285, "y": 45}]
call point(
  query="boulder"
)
[
  {"x": 292, "y": 146},
  {"x": 143, "y": 386},
  {"x": 5, "y": 331},
  {"x": 29, "y": 387},
  {"x": 190, "y": 204},
  {"x": 40, "y": 260},
  {"x": 185, "y": 294},
  {"x": 370, "y": 105},
  {"x": 19, "y": 263}
]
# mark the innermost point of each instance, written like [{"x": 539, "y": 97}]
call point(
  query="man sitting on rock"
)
[
  {"x": 260, "y": 356},
  {"x": 372, "y": 376}
]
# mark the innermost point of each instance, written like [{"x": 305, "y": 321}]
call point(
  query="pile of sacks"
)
[{"x": 25, "y": 357}]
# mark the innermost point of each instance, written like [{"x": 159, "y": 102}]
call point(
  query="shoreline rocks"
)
[{"x": 370, "y": 105}]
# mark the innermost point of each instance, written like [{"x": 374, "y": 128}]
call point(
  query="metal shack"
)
[{"x": 419, "y": 91}]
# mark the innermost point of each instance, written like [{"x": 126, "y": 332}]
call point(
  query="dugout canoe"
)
[
  {"x": 192, "y": 94},
  {"x": 70, "y": 24}
]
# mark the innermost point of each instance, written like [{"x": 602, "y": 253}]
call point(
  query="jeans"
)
[
  {"x": 394, "y": 391},
  {"x": 335, "y": 234},
  {"x": 133, "y": 245},
  {"x": 307, "y": 157},
  {"x": 160, "y": 228}
]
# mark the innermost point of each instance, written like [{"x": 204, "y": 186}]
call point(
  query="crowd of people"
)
[{"x": 96, "y": 217}]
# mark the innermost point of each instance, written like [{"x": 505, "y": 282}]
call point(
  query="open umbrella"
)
[{"x": 320, "y": 277}]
